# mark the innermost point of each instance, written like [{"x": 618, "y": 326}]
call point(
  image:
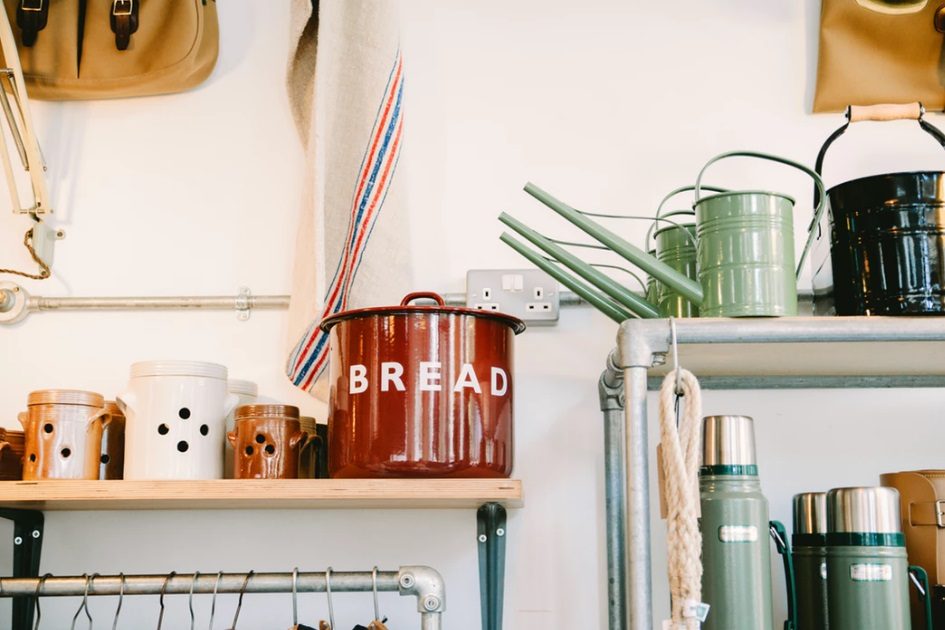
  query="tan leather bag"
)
[
  {"x": 922, "y": 512},
  {"x": 867, "y": 58},
  {"x": 96, "y": 49}
]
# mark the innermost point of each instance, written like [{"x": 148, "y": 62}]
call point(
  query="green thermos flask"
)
[
  {"x": 736, "y": 560},
  {"x": 810, "y": 559},
  {"x": 867, "y": 570}
]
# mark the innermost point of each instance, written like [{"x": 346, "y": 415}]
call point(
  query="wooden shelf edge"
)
[{"x": 260, "y": 494}]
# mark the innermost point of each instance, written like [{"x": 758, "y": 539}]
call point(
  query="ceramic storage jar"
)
[
  {"x": 267, "y": 441},
  {"x": 63, "y": 434},
  {"x": 175, "y": 420}
]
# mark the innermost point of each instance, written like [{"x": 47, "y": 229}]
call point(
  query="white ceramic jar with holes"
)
[
  {"x": 175, "y": 420},
  {"x": 246, "y": 393}
]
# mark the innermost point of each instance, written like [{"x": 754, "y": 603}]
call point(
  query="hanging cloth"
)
[{"x": 352, "y": 240}]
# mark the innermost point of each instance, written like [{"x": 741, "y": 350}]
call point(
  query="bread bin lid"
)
[
  {"x": 65, "y": 397},
  {"x": 267, "y": 411},
  {"x": 440, "y": 308},
  {"x": 178, "y": 368}
]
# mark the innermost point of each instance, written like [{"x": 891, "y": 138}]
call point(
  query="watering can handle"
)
[
  {"x": 664, "y": 219},
  {"x": 661, "y": 217},
  {"x": 912, "y": 111},
  {"x": 779, "y": 536},
  {"x": 921, "y": 580},
  {"x": 819, "y": 200}
]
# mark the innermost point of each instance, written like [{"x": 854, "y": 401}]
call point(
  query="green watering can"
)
[
  {"x": 675, "y": 246},
  {"x": 744, "y": 252}
]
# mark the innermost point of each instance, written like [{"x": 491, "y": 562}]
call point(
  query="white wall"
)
[{"x": 607, "y": 104}]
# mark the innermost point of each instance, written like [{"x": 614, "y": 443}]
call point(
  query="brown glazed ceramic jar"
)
[
  {"x": 421, "y": 391},
  {"x": 266, "y": 442},
  {"x": 112, "y": 460},
  {"x": 308, "y": 450},
  {"x": 63, "y": 430},
  {"x": 12, "y": 444}
]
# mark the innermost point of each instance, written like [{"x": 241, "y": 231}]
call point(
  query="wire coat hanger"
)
[
  {"x": 39, "y": 587},
  {"x": 190, "y": 598},
  {"x": 121, "y": 598},
  {"x": 239, "y": 602},
  {"x": 213, "y": 602},
  {"x": 161, "y": 600},
  {"x": 85, "y": 602}
]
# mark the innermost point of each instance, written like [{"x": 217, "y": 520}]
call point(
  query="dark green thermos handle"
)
[
  {"x": 779, "y": 536},
  {"x": 921, "y": 580}
]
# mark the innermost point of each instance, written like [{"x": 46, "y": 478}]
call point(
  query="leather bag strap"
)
[
  {"x": 31, "y": 17},
  {"x": 124, "y": 21},
  {"x": 927, "y": 513}
]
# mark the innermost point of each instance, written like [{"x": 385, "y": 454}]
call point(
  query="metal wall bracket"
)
[
  {"x": 27, "y": 551},
  {"x": 244, "y": 304},
  {"x": 490, "y": 534}
]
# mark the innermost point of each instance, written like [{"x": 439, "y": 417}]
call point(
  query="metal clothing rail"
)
[
  {"x": 421, "y": 582},
  {"x": 644, "y": 344}
]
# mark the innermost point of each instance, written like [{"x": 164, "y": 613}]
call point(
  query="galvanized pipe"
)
[
  {"x": 159, "y": 303},
  {"x": 615, "y": 461},
  {"x": 639, "y": 568},
  {"x": 422, "y": 582}
]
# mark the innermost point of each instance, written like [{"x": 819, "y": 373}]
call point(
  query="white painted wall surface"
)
[{"x": 607, "y": 104}]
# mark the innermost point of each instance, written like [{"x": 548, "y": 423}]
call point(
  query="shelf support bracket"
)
[
  {"x": 27, "y": 551},
  {"x": 490, "y": 536}
]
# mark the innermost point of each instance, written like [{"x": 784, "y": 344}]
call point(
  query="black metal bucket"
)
[{"x": 886, "y": 236}]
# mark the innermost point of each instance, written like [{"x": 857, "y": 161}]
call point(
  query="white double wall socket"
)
[{"x": 529, "y": 294}]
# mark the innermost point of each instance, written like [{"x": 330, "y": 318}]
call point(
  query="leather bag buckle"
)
[
  {"x": 123, "y": 7},
  {"x": 32, "y": 5},
  {"x": 940, "y": 513}
]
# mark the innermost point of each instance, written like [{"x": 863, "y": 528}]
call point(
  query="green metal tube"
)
[
  {"x": 661, "y": 271},
  {"x": 603, "y": 282},
  {"x": 599, "y": 301}
]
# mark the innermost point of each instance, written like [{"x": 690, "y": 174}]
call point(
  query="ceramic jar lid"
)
[
  {"x": 267, "y": 411},
  {"x": 308, "y": 424},
  {"x": 244, "y": 388},
  {"x": 113, "y": 409},
  {"x": 65, "y": 397},
  {"x": 178, "y": 368}
]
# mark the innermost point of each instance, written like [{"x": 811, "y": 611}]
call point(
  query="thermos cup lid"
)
[
  {"x": 267, "y": 411},
  {"x": 245, "y": 388},
  {"x": 65, "y": 397},
  {"x": 728, "y": 441},
  {"x": 178, "y": 368},
  {"x": 870, "y": 510},
  {"x": 810, "y": 513}
]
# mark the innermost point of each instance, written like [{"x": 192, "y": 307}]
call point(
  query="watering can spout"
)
[
  {"x": 685, "y": 286},
  {"x": 613, "y": 289}
]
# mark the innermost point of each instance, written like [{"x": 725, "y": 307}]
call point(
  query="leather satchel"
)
[
  {"x": 867, "y": 58},
  {"x": 922, "y": 512},
  {"x": 98, "y": 49}
]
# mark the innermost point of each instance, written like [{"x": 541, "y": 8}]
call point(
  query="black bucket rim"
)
[{"x": 865, "y": 178}]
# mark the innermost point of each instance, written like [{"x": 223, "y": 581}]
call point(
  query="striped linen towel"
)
[{"x": 346, "y": 88}]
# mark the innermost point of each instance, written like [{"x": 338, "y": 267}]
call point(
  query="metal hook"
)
[
  {"x": 121, "y": 598},
  {"x": 331, "y": 610},
  {"x": 161, "y": 600},
  {"x": 377, "y": 610},
  {"x": 239, "y": 602},
  {"x": 675, "y": 348},
  {"x": 213, "y": 602},
  {"x": 295, "y": 604},
  {"x": 190, "y": 599},
  {"x": 39, "y": 587}
]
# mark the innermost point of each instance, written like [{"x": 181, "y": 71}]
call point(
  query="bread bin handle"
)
[{"x": 421, "y": 295}]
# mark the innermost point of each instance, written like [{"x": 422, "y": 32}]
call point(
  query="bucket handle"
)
[
  {"x": 421, "y": 295},
  {"x": 820, "y": 194},
  {"x": 880, "y": 113},
  {"x": 662, "y": 217},
  {"x": 920, "y": 579},
  {"x": 779, "y": 536}
]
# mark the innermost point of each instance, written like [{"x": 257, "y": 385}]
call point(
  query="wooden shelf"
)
[{"x": 253, "y": 494}]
